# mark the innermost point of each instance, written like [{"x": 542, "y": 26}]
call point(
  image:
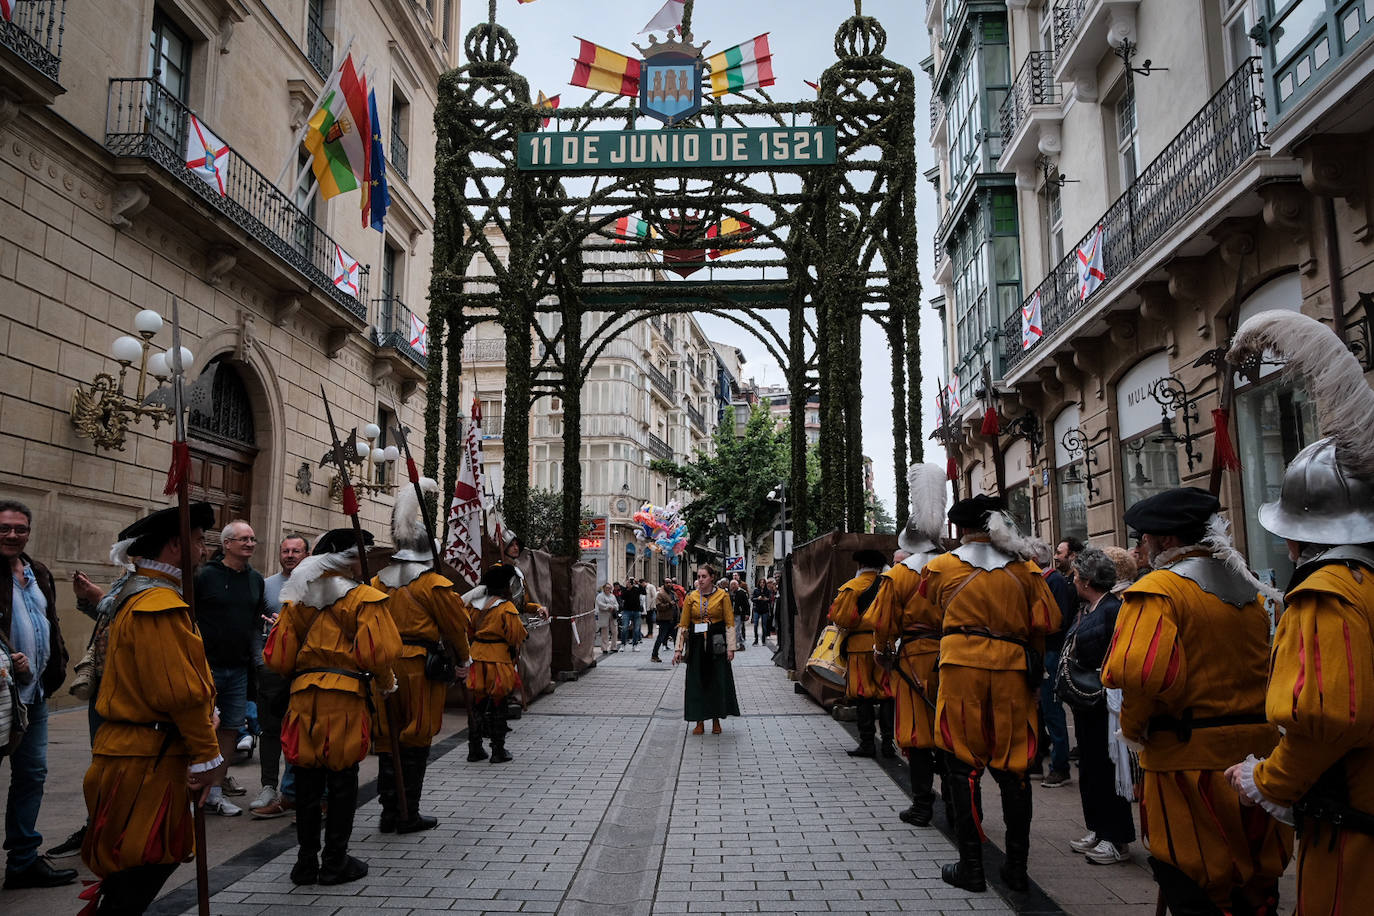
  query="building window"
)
[
  {"x": 400, "y": 130},
  {"x": 1275, "y": 420},
  {"x": 304, "y": 198},
  {"x": 1071, "y": 492},
  {"x": 1236, "y": 20},
  {"x": 318, "y": 48},
  {"x": 170, "y": 63},
  {"x": 1019, "y": 507},
  {"x": 1127, "y": 136},
  {"x": 1006, "y": 255},
  {"x": 1147, "y": 467},
  {"x": 387, "y": 421},
  {"x": 1054, "y": 220},
  {"x": 447, "y": 28}
]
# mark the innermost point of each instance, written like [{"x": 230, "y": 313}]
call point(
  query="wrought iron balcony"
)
[
  {"x": 1035, "y": 85},
  {"x": 661, "y": 383},
  {"x": 937, "y": 114},
  {"x": 696, "y": 417},
  {"x": 318, "y": 47},
  {"x": 657, "y": 447},
  {"x": 668, "y": 332},
  {"x": 1213, "y": 146},
  {"x": 1068, "y": 16},
  {"x": 484, "y": 351},
  {"x": 399, "y": 156},
  {"x": 395, "y": 329},
  {"x": 34, "y": 34},
  {"x": 145, "y": 121}
]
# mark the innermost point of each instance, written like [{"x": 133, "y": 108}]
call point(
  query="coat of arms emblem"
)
[{"x": 670, "y": 79}]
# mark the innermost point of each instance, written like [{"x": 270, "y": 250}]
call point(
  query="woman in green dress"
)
[{"x": 705, "y": 640}]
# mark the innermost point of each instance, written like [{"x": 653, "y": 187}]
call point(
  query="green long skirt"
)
[{"x": 710, "y": 691}]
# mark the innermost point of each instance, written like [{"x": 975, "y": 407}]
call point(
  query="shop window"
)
[
  {"x": 1071, "y": 493},
  {"x": 1147, "y": 467},
  {"x": 1274, "y": 421},
  {"x": 1019, "y": 507}
]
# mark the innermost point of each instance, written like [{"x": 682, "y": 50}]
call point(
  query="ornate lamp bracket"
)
[{"x": 1172, "y": 395}]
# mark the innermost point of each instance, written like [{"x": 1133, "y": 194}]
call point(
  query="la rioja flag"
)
[
  {"x": 464, "y": 548},
  {"x": 1031, "y": 323},
  {"x": 1090, "y": 271}
]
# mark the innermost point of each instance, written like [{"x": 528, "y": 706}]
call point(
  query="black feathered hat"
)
[
  {"x": 1182, "y": 511},
  {"x": 165, "y": 523},
  {"x": 338, "y": 540},
  {"x": 973, "y": 513},
  {"x": 498, "y": 577},
  {"x": 868, "y": 557}
]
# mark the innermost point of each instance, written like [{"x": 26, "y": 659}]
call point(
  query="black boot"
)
[
  {"x": 1016, "y": 814},
  {"x": 309, "y": 794},
  {"x": 414, "y": 761},
  {"x": 967, "y": 873},
  {"x": 921, "y": 766},
  {"x": 336, "y": 865},
  {"x": 386, "y": 792},
  {"x": 475, "y": 750},
  {"x": 867, "y": 731},
  {"x": 1181, "y": 893},
  {"x": 887, "y": 724},
  {"x": 496, "y": 722}
]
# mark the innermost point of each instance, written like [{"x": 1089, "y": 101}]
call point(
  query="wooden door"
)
[{"x": 223, "y": 477}]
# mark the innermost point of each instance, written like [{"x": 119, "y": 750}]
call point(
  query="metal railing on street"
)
[
  {"x": 34, "y": 33},
  {"x": 1212, "y": 147},
  {"x": 400, "y": 157},
  {"x": 394, "y": 329},
  {"x": 1034, "y": 85},
  {"x": 144, "y": 120},
  {"x": 318, "y": 48}
]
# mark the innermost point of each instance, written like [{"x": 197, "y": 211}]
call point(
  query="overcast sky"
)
[{"x": 802, "y": 34}]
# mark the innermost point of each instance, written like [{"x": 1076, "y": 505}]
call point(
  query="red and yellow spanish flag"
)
[
  {"x": 546, "y": 102},
  {"x": 604, "y": 70},
  {"x": 737, "y": 229}
]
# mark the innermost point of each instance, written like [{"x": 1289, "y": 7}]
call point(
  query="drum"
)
[{"x": 827, "y": 661}]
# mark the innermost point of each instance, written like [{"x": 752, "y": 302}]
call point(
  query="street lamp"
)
[
  {"x": 779, "y": 495},
  {"x": 102, "y": 411},
  {"x": 722, "y": 523}
]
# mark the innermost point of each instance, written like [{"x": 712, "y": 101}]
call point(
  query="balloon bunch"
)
[{"x": 662, "y": 529}]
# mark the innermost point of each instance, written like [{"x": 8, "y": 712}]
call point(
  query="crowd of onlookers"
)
[{"x": 628, "y": 613}]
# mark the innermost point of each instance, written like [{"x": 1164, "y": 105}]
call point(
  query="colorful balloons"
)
[{"x": 663, "y": 530}]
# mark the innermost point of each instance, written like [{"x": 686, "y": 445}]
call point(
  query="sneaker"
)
[
  {"x": 1085, "y": 845},
  {"x": 635, "y": 647},
  {"x": 70, "y": 846},
  {"x": 264, "y": 798},
  {"x": 279, "y": 807},
  {"x": 223, "y": 808},
  {"x": 231, "y": 787},
  {"x": 1055, "y": 779},
  {"x": 1108, "y": 853},
  {"x": 245, "y": 744}
]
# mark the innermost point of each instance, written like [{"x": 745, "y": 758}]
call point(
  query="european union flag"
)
[{"x": 376, "y": 173}]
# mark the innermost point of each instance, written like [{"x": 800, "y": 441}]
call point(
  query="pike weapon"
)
[
  {"x": 350, "y": 507},
  {"x": 946, "y": 421},
  {"x": 178, "y": 478}
]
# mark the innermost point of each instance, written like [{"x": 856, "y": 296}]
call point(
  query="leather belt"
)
[{"x": 1184, "y": 726}]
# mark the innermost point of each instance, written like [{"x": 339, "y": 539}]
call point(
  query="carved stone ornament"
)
[
  {"x": 303, "y": 483},
  {"x": 248, "y": 336},
  {"x": 287, "y": 305},
  {"x": 1157, "y": 305},
  {"x": 1286, "y": 210},
  {"x": 219, "y": 260},
  {"x": 1188, "y": 284},
  {"x": 1333, "y": 165},
  {"x": 334, "y": 341},
  {"x": 129, "y": 201}
]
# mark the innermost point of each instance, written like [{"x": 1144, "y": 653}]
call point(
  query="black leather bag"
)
[
  {"x": 439, "y": 665},
  {"x": 1075, "y": 684}
]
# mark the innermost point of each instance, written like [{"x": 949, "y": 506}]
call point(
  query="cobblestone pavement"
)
[{"x": 610, "y": 807}]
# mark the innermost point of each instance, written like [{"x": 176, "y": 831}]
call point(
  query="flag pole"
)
[{"x": 300, "y": 134}]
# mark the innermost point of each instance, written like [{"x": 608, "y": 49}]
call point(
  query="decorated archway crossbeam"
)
[{"x": 532, "y": 223}]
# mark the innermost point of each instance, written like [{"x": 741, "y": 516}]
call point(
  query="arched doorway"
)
[{"x": 223, "y": 445}]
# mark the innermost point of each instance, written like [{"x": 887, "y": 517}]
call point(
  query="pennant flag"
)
[
  {"x": 1090, "y": 272},
  {"x": 604, "y": 70},
  {"x": 377, "y": 196},
  {"x": 346, "y": 272},
  {"x": 630, "y": 227},
  {"x": 669, "y": 18},
  {"x": 7, "y": 9},
  {"x": 815, "y": 86},
  {"x": 419, "y": 336},
  {"x": 746, "y": 66},
  {"x": 464, "y": 548},
  {"x": 337, "y": 136},
  {"x": 1031, "y": 324},
  {"x": 206, "y": 154},
  {"x": 547, "y": 102},
  {"x": 730, "y": 227}
]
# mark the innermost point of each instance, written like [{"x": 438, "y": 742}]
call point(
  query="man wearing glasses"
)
[{"x": 230, "y": 605}]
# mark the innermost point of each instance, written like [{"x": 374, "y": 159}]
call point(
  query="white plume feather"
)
[
  {"x": 1345, "y": 402},
  {"x": 1002, "y": 532},
  {"x": 407, "y": 525},
  {"x": 1218, "y": 541},
  {"x": 119, "y": 553},
  {"x": 926, "y": 486}
]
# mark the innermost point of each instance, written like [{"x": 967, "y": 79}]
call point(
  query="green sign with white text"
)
[{"x": 739, "y": 148}]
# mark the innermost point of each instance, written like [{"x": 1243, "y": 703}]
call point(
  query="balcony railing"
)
[
  {"x": 1068, "y": 15},
  {"x": 144, "y": 120},
  {"x": 1213, "y": 146},
  {"x": 318, "y": 47},
  {"x": 395, "y": 329},
  {"x": 660, "y": 381},
  {"x": 696, "y": 417},
  {"x": 35, "y": 34},
  {"x": 937, "y": 113},
  {"x": 668, "y": 332},
  {"x": 657, "y": 447},
  {"x": 1034, "y": 85},
  {"x": 400, "y": 156},
  {"x": 484, "y": 351}
]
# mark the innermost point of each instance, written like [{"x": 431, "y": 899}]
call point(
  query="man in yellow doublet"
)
[
  {"x": 495, "y": 632},
  {"x": 1189, "y": 656},
  {"x": 157, "y": 739},
  {"x": 865, "y": 683},
  {"x": 995, "y": 612},
  {"x": 432, "y": 620},
  {"x": 334, "y": 637}
]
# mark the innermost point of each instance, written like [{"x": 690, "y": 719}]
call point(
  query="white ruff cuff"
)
[
  {"x": 1252, "y": 792},
  {"x": 208, "y": 765}
]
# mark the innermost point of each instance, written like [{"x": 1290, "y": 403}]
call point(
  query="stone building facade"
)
[
  {"x": 103, "y": 218},
  {"x": 1215, "y": 153}
]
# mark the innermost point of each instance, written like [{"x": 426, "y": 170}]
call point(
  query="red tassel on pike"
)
[
  {"x": 350, "y": 501},
  {"x": 990, "y": 427},
  {"x": 1221, "y": 428},
  {"x": 181, "y": 467},
  {"x": 412, "y": 470},
  {"x": 951, "y": 469}
]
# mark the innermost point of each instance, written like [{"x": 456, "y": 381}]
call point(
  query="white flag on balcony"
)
[
  {"x": 419, "y": 336},
  {"x": 346, "y": 272},
  {"x": 1090, "y": 272},
  {"x": 1031, "y": 325},
  {"x": 206, "y": 154}
]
